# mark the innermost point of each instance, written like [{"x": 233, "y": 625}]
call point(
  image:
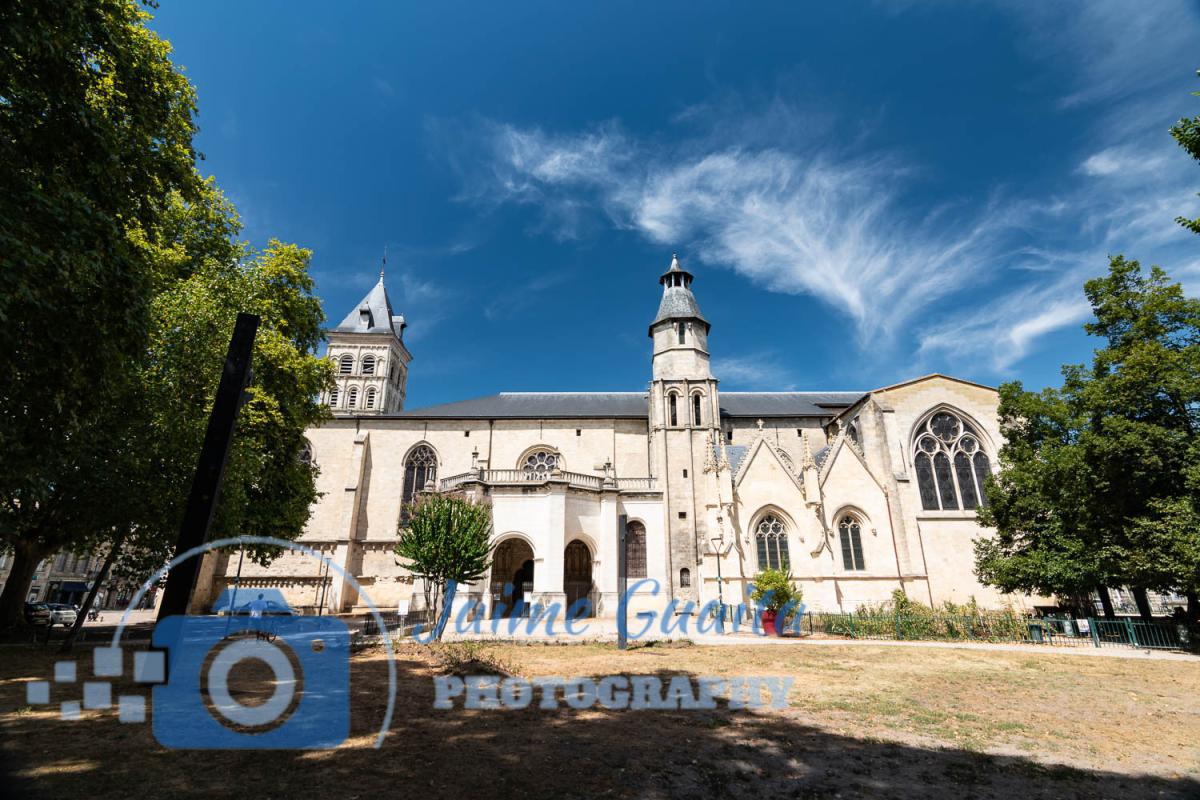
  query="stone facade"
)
[{"x": 713, "y": 486}]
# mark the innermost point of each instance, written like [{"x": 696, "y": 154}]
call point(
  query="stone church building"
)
[{"x": 856, "y": 494}]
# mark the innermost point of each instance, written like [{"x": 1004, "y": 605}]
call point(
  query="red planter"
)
[{"x": 768, "y": 623}]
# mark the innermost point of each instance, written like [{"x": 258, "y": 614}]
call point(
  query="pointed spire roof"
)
[
  {"x": 678, "y": 302},
  {"x": 373, "y": 314}
]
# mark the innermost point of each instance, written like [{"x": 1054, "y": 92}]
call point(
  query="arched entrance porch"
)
[
  {"x": 511, "y": 583},
  {"x": 577, "y": 577}
]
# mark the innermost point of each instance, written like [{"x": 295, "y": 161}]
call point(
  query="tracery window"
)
[
  {"x": 635, "y": 549},
  {"x": 850, "y": 532},
  {"x": 950, "y": 463},
  {"x": 771, "y": 536},
  {"x": 420, "y": 468},
  {"x": 539, "y": 464}
]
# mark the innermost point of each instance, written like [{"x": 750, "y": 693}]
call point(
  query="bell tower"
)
[
  {"x": 370, "y": 361},
  {"x": 684, "y": 425}
]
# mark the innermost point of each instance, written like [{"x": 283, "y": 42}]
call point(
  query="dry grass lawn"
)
[{"x": 862, "y": 722}]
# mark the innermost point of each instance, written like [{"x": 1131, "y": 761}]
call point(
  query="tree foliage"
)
[
  {"x": 122, "y": 274},
  {"x": 1098, "y": 479},
  {"x": 95, "y": 126},
  {"x": 1187, "y": 134},
  {"x": 445, "y": 538}
]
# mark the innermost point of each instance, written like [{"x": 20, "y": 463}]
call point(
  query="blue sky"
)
[{"x": 865, "y": 191}]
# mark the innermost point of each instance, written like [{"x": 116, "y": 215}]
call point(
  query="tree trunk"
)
[
  {"x": 113, "y": 552},
  {"x": 1106, "y": 602},
  {"x": 26, "y": 557},
  {"x": 1143, "y": 604}
]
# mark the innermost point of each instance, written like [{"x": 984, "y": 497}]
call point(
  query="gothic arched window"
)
[
  {"x": 333, "y": 397},
  {"x": 850, "y": 532},
  {"x": 539, "y": 464},
  {"x": 370, "y": 400},
  {"x": 673, "y": 408},
  {"x": 635, "y": 549},
  {"x": 950, "y": 464},
  {"x": 420, "y": 468},
  {"x": 352, "y": 397},
  {"x": 368, "y": 365},
  {"x": 696, "y": 409},
  {"x": 346, "y": 364},
  {"x": 771, "y": 536}
]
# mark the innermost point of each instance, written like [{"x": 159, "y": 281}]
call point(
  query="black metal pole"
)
[
  {"x": 206, "y": 486},
  {"x": 622, "y": 581}
]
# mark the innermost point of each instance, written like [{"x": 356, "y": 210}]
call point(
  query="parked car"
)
[
  {"x": 61, "y": 614},
  {"x": 50, "y": 614},
  {"x": 273, "y": 609},
  {"x": 37, "y": 613}
]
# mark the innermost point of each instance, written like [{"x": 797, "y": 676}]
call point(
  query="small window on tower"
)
[
  {"x": 685, "y": 473},
  {"x": 466, "y": 433},
  {"x": 682, "y": 329},
  {"x": 683, "y": 515},
  {"x": 695, "y": 409},
  {"x": 729, "y": 435},
  {"x": 673, "y": 410},
  {"x": 578, "y": 432}
]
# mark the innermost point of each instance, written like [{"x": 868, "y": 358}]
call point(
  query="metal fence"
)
[{"x": 1010, "y": 628}]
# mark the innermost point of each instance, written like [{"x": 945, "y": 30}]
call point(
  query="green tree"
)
[
  {"x": 96, "y": 127},
  {"x": 131, "y": 481},
  {"x": 1187, "y": 134},
  {"x": 1098, "y": 480},
  {"x": 445, "y": 538}
]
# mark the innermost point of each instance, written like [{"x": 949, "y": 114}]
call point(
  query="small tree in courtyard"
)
[{"x": 445, "y": 538}]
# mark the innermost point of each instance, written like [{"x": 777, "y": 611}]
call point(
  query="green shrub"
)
[{"x": 773, "y": 590}]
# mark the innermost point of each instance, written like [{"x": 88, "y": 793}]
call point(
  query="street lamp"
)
[{"x": 718, "y": 542}]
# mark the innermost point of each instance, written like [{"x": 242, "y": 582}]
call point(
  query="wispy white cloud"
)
[
  {"x": 794, "y": 223},
  {"x": 764, "y": 370},
  {"x": 768, "y": 193}
]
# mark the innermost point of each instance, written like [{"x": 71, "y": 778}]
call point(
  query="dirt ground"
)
[{"x": 861, "y": 722}]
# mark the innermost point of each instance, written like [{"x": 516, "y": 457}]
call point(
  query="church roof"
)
[
  {"x": 629, "y": 405},
  {"x": 373, "y": 314},
  {"x": 677, "y": 302},
  {"x": 785, "y": 404},
  {"x": 541, "y": 405}
]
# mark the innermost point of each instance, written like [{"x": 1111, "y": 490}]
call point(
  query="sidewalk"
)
[{"x": 604, "y": 629}]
